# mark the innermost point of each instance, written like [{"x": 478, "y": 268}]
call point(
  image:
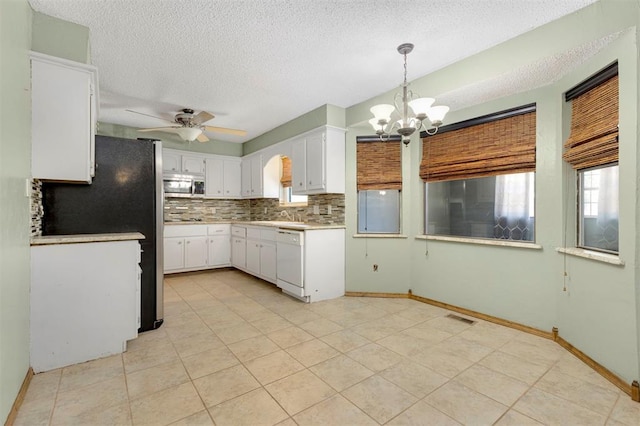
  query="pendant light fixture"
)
[{"x": 412, "y": 110}]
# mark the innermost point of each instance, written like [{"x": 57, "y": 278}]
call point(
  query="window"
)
[
  {"x": 287, "y": 197},
  {"x": 598, "y": 211},
  {"x": 379, "y": 181},
  {"x": 498, "y": 207},
  {"x": 379, "y": 211},
  {"x": 592, "y": 150},
  {"x": 480, "y": 177}
]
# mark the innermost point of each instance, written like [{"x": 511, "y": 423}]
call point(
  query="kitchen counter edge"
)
[
  {"x": 272, "y": 224},
  {"x": 85, "y": 238}
]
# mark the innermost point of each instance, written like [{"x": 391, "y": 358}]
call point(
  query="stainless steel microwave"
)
[{"x": 183, "y": 186}]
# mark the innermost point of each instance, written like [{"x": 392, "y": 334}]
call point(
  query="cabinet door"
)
[
  {"x": 298, "y": 167},
  {"x": 171, "y": 162},
  {"x": 192, "y": 164},
  {"x": 231, "y": 179},
  {"x": 173, "y": 253},
  {"x": 195, "y": 252},
  {"x": 268, "y": 261},
  {"x": 256, "y": 176},
  {"x": 219, "y": 250},
  {"x": 315, "y": 162},
  {"x": 253, "y": 256},
  {"x": 61, "y": 122},
  {"x": 214, "y": 178},
  {"x": 238, "y": 252},
  {"x": 246, "y": 177}
]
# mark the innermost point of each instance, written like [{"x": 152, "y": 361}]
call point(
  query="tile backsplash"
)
[
  {"x": 37, "y": 211},
  {"x": 208, "y": 210}
]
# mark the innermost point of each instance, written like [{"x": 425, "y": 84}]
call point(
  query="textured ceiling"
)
[{"x": 258, "y": 64}]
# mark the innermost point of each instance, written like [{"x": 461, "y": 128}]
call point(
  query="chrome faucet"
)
[{"x": 286, "y": 214}]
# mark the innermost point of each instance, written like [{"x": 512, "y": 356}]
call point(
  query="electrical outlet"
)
[
  {"x": 213, "y": 210},
  {"x": 265, "y": 210},
  {"x": 316, "y": 209},
  {"x": 329, "y": 209}
]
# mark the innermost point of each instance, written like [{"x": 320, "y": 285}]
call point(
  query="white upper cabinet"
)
[
  {"x": 318, "y": 161},
  {"x": 193, "y": 164},
  {"x": 171, "y": 161},
  {"x": 252, "y": 177},
  {"x": 222, "y": 177},
  {"x": 64, "y": 113}
]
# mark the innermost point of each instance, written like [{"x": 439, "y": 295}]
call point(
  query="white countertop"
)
[{"x": 85, "y": 238}]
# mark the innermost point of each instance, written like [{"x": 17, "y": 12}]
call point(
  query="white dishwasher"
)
[{"x": 290, "y": 262}]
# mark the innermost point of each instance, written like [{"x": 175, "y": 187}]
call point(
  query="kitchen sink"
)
[{"x": 280, "y": 223}]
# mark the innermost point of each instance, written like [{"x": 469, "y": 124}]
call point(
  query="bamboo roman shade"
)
[
  {"x": 285, "y": 180},
  {"x": 594, "y": 127},
  {"x": 501, "y": 146},
  {"x": 379, "y": 165}
]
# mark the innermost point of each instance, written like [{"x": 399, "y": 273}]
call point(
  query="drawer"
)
[
  {"x": 222, "y": 229},
  {"x": 185, "y": 230},
  {"x": 239, "y": 231}
]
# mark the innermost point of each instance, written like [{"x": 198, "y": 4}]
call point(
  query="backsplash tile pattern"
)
[
  {"x": 194, "y": 209},
  {"x": 37, "y": 211}
]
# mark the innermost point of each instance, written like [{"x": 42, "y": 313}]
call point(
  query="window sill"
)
[
  {"x": 464, "y": 240},
  {"x": 611, "y": 259},
  {"x": 379, "y": 236}
]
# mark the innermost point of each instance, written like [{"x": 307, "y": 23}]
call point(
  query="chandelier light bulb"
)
[
  {"x": 189, "y": 133},
  {"x": 412, "y": 112}
]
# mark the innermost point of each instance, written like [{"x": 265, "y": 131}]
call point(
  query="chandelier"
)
[{"x": 413, "y": 110}]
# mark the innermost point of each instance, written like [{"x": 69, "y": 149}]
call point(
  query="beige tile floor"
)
[{"x": 234, "y": 351}]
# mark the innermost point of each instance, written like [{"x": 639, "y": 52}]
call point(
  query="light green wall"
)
[
  {"x": 172, "y": 141},
  {"x": 325, "y": 115},
  {"x": 598, "y": 313},
  {"x": 60, "y": 38},
  {"x": 15, "y": 170}
]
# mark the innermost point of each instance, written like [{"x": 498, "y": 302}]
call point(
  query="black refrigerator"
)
[{"x": 125, "y": 196}]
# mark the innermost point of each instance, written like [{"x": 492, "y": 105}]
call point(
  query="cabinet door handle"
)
[
  {"x": 179, "y": 243},
  {"x": 188, "y": 242}
]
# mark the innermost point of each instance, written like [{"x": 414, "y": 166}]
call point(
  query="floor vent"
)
[{"x": 465, "y": 320}]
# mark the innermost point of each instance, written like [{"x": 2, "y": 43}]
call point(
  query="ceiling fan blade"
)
[
  {"x": 171, "y": 129},
  {"x": 149, "y": 115},
  {"x": 202, "y": 117},
  {"x": 202, "y": 138},
  {"x": 225, "y": 130}
]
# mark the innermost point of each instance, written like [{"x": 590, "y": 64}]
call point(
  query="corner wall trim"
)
[
  {"x": 633, "y": 389},
  {"x": 19, "y": 398}
]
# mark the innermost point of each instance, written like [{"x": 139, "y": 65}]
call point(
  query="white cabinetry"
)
[
  {"x": 252, "y": 177},
  {"x": 318, "y": 161},
  {"x": 195, "y": 247},
  {"x": 261, "y": 252},
  {"x": 171, "y": 161},
  {"x": 174, "y": 161},
  {"x": 222, "y": 177},
  {"x": 63, "y": 117},
  {"x": 84, "y": 301},
  {"x": 193, "y": 164},
  {"x": 238, "y": 247},
  {"x": 219, "y": 248}
]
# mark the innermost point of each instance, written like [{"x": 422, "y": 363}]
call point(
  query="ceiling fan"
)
[{"x": 189, "y": 126}]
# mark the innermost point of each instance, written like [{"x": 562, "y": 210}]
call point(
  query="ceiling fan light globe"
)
[{"x": 189, "y": 134}]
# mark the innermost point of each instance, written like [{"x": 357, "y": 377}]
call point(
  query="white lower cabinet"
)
[
  {"x": 195, "y": 247},
  {"x": 238, "y": 247},
  {"x": 261, "y": 252},
  {"x": 84, "y": 301}
]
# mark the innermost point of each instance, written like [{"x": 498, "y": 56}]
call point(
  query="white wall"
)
[{"x": 15, "y": 153}]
